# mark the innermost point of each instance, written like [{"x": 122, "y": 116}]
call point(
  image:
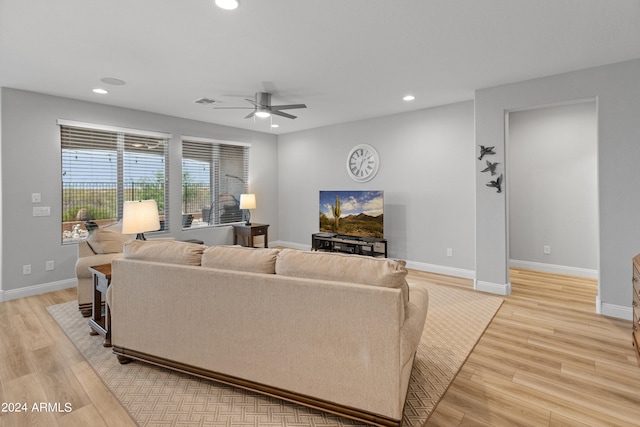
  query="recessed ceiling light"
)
[
  {"x": 227, "y": 4},
  {"x": 409, "y": 98},
  {"x": 275, "y": 125},
  {"x": 112, "y": 81},
  {"x": 100, "y": 91}
]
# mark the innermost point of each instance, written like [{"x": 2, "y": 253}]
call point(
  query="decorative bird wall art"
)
[
  {"x": 491, "y": 167},
  {"x": 485, "y": 151},
  {"x": 497, "y": 184}
]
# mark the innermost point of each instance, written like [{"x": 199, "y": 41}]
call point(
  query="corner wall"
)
[
  {"x": 30, "y": 155},
  {"x": 426, "y": 173},
  {"x": 617, "y": 88}
]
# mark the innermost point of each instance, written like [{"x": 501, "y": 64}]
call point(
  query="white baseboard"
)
[
  {"x": 492, "y": 288},
  {"x": 37, "y": 289},
  {"x": 554, "y": 268},
  {"x": 612, "y": 310},
  {"x": 441, "y": 269}
]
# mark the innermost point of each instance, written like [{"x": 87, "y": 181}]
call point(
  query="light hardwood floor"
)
[{"x": 545, "y": 360}]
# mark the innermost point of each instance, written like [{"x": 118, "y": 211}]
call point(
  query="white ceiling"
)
[{"x": 345, "y": 59}]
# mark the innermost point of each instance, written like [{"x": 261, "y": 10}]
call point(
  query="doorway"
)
[{"x": 552, "y": 189}]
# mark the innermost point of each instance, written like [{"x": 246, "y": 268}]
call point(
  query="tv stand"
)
[{"x": 330, "y": 242}]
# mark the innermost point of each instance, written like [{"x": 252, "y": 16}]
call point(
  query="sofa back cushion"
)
[
  {"x": 239, "y": 258},
  {"x": 344, "y": 268},
  {"x": 108, "y": 240},
  {"x": 165, "y": 251}
]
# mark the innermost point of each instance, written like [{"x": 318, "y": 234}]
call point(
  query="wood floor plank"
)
[
  {"x": 104, "y": 401},
  {"x": 547, "y": 359},
  {"x": 547, "y": 347}
]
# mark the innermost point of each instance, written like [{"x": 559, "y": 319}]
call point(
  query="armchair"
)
[{"x": 101, "y": 247}]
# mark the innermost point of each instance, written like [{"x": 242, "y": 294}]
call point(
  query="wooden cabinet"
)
[
  {"x": 246, "y": 233},
  {"x": 636, "y": 305}
]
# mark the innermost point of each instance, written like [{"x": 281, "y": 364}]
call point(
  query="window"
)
[
  {"x": 102, "y": 167},
  {"x": 214, "y": 174}
]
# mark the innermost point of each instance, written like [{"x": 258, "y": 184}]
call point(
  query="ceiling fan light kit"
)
[
  {"x": 262, "y": 113},
  {"x": 227, "y": 4}
]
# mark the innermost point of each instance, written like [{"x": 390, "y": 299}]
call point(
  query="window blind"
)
[
  {"x": 101, "y": 169},
  {"x": 214, "y": 174}
]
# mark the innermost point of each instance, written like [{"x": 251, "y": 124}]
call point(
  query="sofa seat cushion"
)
[
  {"x": 108, "y": 240},
  {"x": 239, "y": 258},
  {"x": 165, "y": 251},
  {"x": 344, "y": 268}
]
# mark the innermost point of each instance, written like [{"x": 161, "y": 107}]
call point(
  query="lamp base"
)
[{"x": 140, "y": 236}]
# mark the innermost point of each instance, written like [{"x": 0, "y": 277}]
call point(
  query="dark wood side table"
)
[
  {"x": 99, "y": 323},
  {"x": 249, "y": 231}
]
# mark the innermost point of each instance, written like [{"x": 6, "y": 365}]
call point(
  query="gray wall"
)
[
  {"x": 553, "y": 188},
  {"x": 434, "y": 197},
  {"x": 30, "y": 149},
  {"x": 617, "y": 88},
  {"x": 426, "y": 173}
]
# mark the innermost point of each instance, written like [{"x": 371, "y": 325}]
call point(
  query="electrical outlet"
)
[
  {"x": 26, "y": 269},
  {"x": 36, "y": 198},
  {"x": 449, "y": 252},
  {"x": 50, "y": 265},
  {"x": 547, "y": 250}
]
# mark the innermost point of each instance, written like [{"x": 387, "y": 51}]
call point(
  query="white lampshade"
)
[
  {"x": 247, "y": 201},
  {"x": 140, "y": 216}
]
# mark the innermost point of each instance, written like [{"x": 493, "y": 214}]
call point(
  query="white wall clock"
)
[{"x": 362, "y": 163}]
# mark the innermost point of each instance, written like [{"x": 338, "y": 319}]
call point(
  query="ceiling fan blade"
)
[
  {"x": 280, "y": 113},
  {"x": 232, "y": 108},
  {"x": 253, "y": 102},
  {"x": 287, "y": 107},
  {"x": 251, "y": 114}
]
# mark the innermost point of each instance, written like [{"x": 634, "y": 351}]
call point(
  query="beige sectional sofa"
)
[{"x": 331, "y": 331}]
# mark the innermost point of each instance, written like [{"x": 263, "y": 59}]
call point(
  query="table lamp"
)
[
  {"x": 248, "y": 201},
  {"x": 140, "y": 216}
]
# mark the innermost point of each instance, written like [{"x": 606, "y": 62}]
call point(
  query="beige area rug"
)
[{"x": 159, "y": 397}]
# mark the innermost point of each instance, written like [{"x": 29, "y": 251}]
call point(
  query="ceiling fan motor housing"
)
[{"x": 263, "y": 98}]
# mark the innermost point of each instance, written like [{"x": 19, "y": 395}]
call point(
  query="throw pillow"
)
[
  {"x": 165, "y": 251},
  {"x": 239, "y": 258},
  {"x": 108, "y": 240}
]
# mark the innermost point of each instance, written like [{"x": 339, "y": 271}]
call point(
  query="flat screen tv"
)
[{"x": 352, "y": 213}]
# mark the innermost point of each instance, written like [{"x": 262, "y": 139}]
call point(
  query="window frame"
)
[
  {"x": 123, "y": 137},
  {"x": 216, "y": 172}
]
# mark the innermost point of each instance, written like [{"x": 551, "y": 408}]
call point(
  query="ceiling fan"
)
[{"x": 262, "y": 107}]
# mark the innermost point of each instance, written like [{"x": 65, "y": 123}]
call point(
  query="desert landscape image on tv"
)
[{"x": 352, "y": 213}]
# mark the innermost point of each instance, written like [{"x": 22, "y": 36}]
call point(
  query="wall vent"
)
[{"x": 205, "y": 101}]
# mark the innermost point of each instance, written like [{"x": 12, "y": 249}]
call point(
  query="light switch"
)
[
  {"x": 41, "y": 211},
  {"x": 36, "y": 198}
]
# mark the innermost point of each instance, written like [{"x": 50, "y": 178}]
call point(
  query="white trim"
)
[
  {"x": 441, "y": 269},
  {"x": 213, "y": 141},
  {"x": 618, "y": 311},
  {"x": 493, "y": 288},
  {"x": 107, "y": 128},
  {"x": 37, "y": 289},
  {"x": 554, "y": 268},
  {"x": 612, "y": 310}
]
